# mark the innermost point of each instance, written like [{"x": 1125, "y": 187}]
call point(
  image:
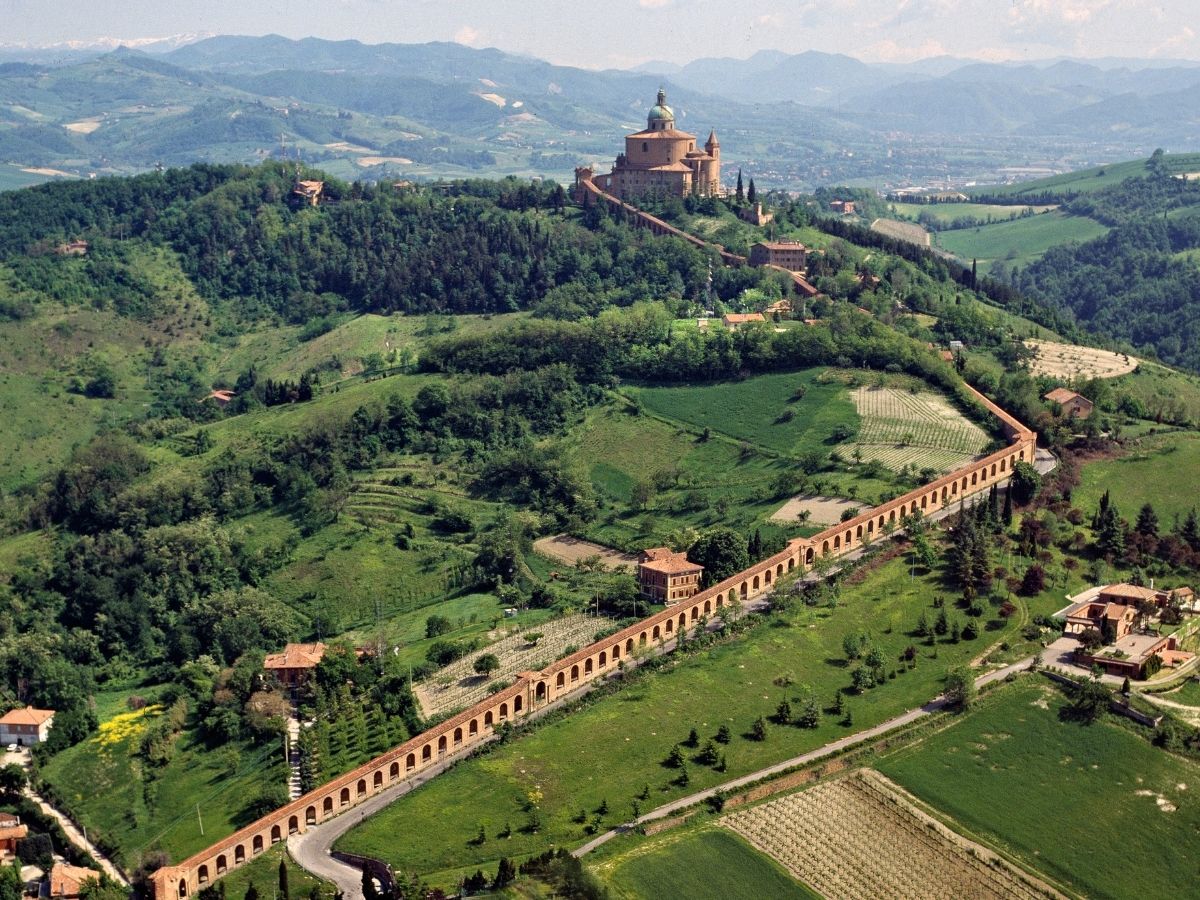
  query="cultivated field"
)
[
  {"x": 821, "y": 510},
  {"x": 1072, "y": 361},
  {"x": 948, "y": 212},
  {"x": 861, "y": 837},
  {"x": 457, "y": 686},
  {"x": 904, "y": 231},
  {"x": 923, "y": 430},
  {"x": 1020, "y": 241},
  {"x": 1022, "y": 778},
  {"x": 571, "y": 550}
]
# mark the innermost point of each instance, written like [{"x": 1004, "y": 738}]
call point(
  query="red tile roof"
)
[
  {"x": 296, "y": 656},
  {"x": 27, "y": 716},
  {"x": 66, "y": 880},
  {"x": 673, "y": 566}
]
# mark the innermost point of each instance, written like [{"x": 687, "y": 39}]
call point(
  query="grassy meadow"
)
[
  {"x": 1020, "y": 241},
  {"x": 948, "y": 212},
  {"x": 1085, "y": 181},
  {"x": 613, "y": 749},
  {"x": 1153, "y": 472},
  {"x": 1042, "y": 789},
  {"x": 698, "y": 863}
]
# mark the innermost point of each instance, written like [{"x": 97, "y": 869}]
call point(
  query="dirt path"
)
[
  {"x": 570, "y": 550},
  {"x": 76, "y": 837}
]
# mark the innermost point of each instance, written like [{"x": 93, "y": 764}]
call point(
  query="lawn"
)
[
  {"x": 1020, "y": 241},
  {"x": 263, "y": 872},
  {"x": 1047, "y": 791},
  {"x": 613, "y": 749},
  {"x": 707, "y": 863},
  {"x": 1152, "y": 473},
  {"x": 115, "y": 792},
  {"x": 763, "y": 411}
]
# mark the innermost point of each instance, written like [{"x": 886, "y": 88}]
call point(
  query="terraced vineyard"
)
[
  {"x": 457, "y": 685},
  {"x": 860, "y": 837},
  {"x": 899, "y": 428}
]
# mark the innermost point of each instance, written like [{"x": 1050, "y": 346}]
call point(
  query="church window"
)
[{"x": 645, "y": 146}]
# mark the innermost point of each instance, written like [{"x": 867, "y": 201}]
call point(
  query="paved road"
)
[{"x": 803, "y": 759}]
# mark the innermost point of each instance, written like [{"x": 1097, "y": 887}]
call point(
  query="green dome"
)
[{"x": 660, "y": 110}]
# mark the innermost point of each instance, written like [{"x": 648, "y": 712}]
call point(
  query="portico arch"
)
[
  {"x": 294, "y": 824},
  {"x": 458, "y": 736},
  {"x": 377, "y": 779},
  {"x": 394, "y": 771},
  {"x": 256, "y": 846},
  {"x": 574, "y": 673},
  {"x": 410, "y": 762},
  {"x": 362, "y": 787},
  {"x": 239, "y": 855},
  {"x": 202, "y": 874},
  {"x": 344, "y": 799},
  {"x": 221, "y": 864},
  {"x": 276, "y": 834},
  {"x": 310, "y": 816},
  {"x": 327, "y": 805}
]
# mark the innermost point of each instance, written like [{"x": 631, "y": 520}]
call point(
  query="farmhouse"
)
[
  {"x": 733, "y": 321},
  {"x": 295, "y": 664},
  {"x": 1074, "y": 406},
  {"x": 665, "y": 576},
  {"x": 26, "y": 726},
  {"x": 12, "y": 832},
  {"x": 308, "y": 192},
  {"x": 790, "y": 255},
  {"x": 844, "y": 207},
  {"x": 755, "y": 215},
  {"x": 66, "y": 881}
]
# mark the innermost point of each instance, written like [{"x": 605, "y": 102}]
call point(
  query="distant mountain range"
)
[{"x": 426, "y": 110}]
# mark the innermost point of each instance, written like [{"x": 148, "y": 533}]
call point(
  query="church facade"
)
[{"x": 663, "y": 161}]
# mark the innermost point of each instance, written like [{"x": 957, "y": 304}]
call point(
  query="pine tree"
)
[
  {"x": 1191, "y": 531},
  {"x": 1110, "y": 532},
  {"x": 1147, "y": 521}
]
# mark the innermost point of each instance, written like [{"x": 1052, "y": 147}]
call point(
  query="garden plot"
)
[
  {"x": 458, "y": 686},
  {"x": 1072, "y": 361},
  {"x": 923, "y": 430},
  {"x": 820, "y": 510},
  {"x": 861, "y": 837},
  {"x": 570, "y": 550}
]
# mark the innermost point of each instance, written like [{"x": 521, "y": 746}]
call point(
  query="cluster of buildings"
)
[{"x": 1118, "y": 612}]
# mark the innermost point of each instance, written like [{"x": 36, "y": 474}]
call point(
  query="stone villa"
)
[
  {"x": 1115, "y": 609},
  {"x": 665, "y": 576}
]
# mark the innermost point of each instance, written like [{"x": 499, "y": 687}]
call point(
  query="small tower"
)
[{"x": 713, "y": 170}]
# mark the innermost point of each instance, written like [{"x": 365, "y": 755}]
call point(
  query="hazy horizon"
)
[{"x": 674, "y": 31}]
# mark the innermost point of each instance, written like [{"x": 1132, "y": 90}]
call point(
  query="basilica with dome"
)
[{"x": 663, "y": 161}]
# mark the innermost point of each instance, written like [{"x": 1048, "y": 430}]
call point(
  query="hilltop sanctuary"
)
[{"x": 664, "y": 161}]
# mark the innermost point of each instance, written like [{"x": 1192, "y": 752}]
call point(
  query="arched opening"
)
[
  {"x": 954, "y": 488},
  {"x": 809, "y": 556},
  {"x": 745, "y": 590},
  {"x": 362, "y": 787},
  {"x": 892, "y": 516},
  {"x": 923, "y": 499},
  {"x": 837, "y": 544},
  {"x": 182, "y": 888},
  {"x": 310, "y": 816},
  {"x": 964, "y": 482},
  {"x": 767, "y": 576},
  {"x": 222, "y": 865},
  {"x": 824, "y": 547},
  {"x": 973, "y": 478},
  {"x": 656, "y": 634},
  {"x": 1002, "y": 462},
  {"x": 670, "y": 626},
  {"x": 457, "y": 736},
  {"x": 426, "y": 753},
  {"x": 603, "y": 658},
  {"x": 629, "y": 646},
  {"x": 293, "y": 825},
  {"x": 441, "y": 745},
  {"x": 344, "y": 799},
  {"x": 473, "y": 728},
  {"x": 616, "y": 652},
  {"x": 327, "y": 805},
  {"x": 695, "y": 613},
  {"x": 503, "y": 711},
  {"x": 779, "y": 569},
  {"x": 791, "y": 564},
  {"x": 561, "y": 680},
  {"x": 539, "y": 694},
  {"x": 377, "y": 780},
  {"x": 518, "y": 702},
  {"x": 239, "y": 855},
  {"x": 943, "y": 495},
  {"x": 642, "y": 639},
  {"x": 682, "y": 621},
  {"x": 755, "y": 583},
  {"x": 202, "y": 874},
  {"x": 871, "y": 528},
  {"x": 708, "y": 607},
  {"x": 393, "y": 771},
  {"x": 488, "y": 719},
  {"x": 993, "y": 470},
  {"x": 410, "y": 762},
  {"x": 276, "y": 834},
  {"x": 574, "y": 673}
]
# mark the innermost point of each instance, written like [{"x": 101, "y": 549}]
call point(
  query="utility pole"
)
[{"x": 200, "y": 820}]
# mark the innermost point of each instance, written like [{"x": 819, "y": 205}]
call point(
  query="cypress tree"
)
[
  {"x": 752, "y": 194},
  {"x": 1007, "y": 515},
  {"x": 284, "y": 890},
  {"x": 741, "y": 194}
]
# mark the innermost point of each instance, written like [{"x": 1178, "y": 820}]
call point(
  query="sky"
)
[{"x": 624, "y": 33}]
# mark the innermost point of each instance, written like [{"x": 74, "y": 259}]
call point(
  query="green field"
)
[
  {"x": 1152, "y": 473},
  {"x": 757, "y": 410},
  {"x": 948, "y": 212},
  {"x": 708, "y": 863},
  {"x": 115, "y": 793},
  {"x": 1044, "y": 790},
  {"x": 1019, "y": 242},
  {"x": 614, "y": 748},
  {"x": 263, "y": 872},
  {"x": 1087, "y": 180}
]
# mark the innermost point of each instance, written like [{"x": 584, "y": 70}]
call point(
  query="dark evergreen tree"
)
[
  {"x": 741, "y": 194},
  {"x": 284, "y": 890},
  {"x": 1147, "y": 521},
  {"x": 751, "y": 194}
]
